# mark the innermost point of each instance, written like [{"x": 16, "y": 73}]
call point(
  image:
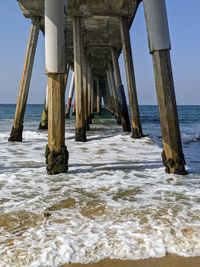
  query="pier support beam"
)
[
  {"x": 98, "y": 99},
  {"x": 44, "y": 117},
  {"x": 130, "y": 76},
  {"x": 17, "y": 128},
  {"x": 85, "y": 87},
  {"x": 89, "y": 80},
  {"x": 123, "y": 109},
  {"x": 115, "y": 94},
  {"x": 74, "y": 106},
  {"x": 108, "y": 94},
  {"x": 159, "y": 44},
  {"x": 92, "y": 97},
  {"x": 80, "y": 134},
  {"x": 56, "y": 151},
  {"x": 70, "y": 96}
]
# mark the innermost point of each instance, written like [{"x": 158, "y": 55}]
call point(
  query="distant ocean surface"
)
[{"x": 115, "y": 202}]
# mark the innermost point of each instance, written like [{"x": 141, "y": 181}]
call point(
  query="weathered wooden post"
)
[
  {"x": 85, "y": 87},
  {"x": 70, "y": 96},
  {"x": 98, "y": 99},
  {"x": 130, "y": 76},
  {"x": 74, "y": 106},
  {"x": 108, "y": 94},
  {"x": 159, "y": 45},
  {"x": 123, "y": 109},
  {"x": 80, "y": 134},
  {"x": 17, "y": 128},
  {"x": 89, "y": 80},
  {"x": 110, "y": 75},
  {"x": 44, "y": 117},
  {"x": 92, "y": 96},
  {"x": 56, "y": 151}
]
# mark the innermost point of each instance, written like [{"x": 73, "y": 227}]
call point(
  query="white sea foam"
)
[
  {"x": 189, "y": 138},
  {"x": 116, "y": 201}
]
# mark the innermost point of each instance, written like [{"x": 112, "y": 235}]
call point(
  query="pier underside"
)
[
  {"x": 100, "y": 26},
  {"x": 88, "y": 37}
]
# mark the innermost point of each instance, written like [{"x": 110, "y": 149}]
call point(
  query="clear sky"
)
[{"x": 184, "y": 22}]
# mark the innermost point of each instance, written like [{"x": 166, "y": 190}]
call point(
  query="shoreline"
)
[{"x": 170, "y": 260}]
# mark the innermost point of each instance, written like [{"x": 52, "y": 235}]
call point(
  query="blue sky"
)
[{"x": 184, "y": 22}]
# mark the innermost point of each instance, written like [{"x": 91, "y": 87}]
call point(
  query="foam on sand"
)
[{"x": 115, "y": 202}]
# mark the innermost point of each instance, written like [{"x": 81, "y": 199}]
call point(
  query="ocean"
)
[{"x": 115, "y": 201}]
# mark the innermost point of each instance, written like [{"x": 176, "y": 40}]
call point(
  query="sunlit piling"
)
[{"x": 17, "y": 128}]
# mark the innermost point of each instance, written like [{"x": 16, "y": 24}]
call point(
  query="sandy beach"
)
[{"x": 168, "y": 261}]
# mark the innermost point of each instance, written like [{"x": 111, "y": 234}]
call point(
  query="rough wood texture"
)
[
  {"x": 56, "y": 151},
  {"x": 70, "y": 96},
  {"x": 44, "y": 116},
  {"x": 130, "y": 76},
  {"x": 85, "y": 87},
  {"x": 107, "y": 95},
  {"x": 92, "y": 96},
  {"x": 123, "y": 109},
  {"x": 172, "y": 155},
  {"x": 74, "y": 107},
  {"x": 80, "y": 134},
  {"x": 89, "y": 80},
  {"x": 16, "y": 132},
  {"x": 98, "y": 97},
  {"x": 115, "y": 94}
]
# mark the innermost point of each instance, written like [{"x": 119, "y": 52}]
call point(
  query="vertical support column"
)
[
  {"x": 74, "y": 106},
  {"x": 159, "y": 45},
  {"x": 44, "y": 117},
  {"x": 89, "y": 79},
  {"x": 123, "y": 109},
  {"x": 98, "y": 99},
  {"x": 130, "y": 76},
  {"x": 115, "y": 94},
  {"x": 109, "y": 93},
  {"x": 56, "y": 151},
  {"x": 70, "y": 96},
  {"x": 17, "y": 128},
  {"x": 80, "y": 134},
  {"x": 92, "y": 96},
  {"x": 85, "y": 87}
]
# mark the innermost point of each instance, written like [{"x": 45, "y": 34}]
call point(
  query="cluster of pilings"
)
[{"x": 90, "y": 85}]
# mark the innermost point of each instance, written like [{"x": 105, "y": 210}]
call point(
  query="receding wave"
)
[
  {"x": 191, "y": 138},
  {"x": 115, "y": 202}
]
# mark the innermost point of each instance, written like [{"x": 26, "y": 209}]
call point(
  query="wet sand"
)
[{"x": 168, "y": 261}]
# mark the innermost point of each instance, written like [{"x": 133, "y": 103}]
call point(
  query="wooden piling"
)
[
  {"x": 159, "y": 46},
  {"x": 70, "y": 97},
  {"x": 172, "y": 155},
  {"x": 115, "y": 94},
  {"x": 44, "y": 117},
  {"x": 130, "y": 76},
  {"x": 89, "y": 86},
  {"x": 98, "y": 99},
  {"x": 123, "y": 109},
  {"x": 108, "y": 94},
  {"x": 85, "y": 87},
  {"x": 80, "y": 134},
  {"x": 92, "y": 97},
  {"x": 56, "y": 151},
  {"x": 74, "y": 106},
  {"x": 17, "y": 128}
]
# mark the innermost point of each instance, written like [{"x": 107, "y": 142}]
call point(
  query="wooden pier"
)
[{"x": 88, "y": 37}]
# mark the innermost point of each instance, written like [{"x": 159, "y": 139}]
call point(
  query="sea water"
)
[{"x": 115, "y": 201}]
